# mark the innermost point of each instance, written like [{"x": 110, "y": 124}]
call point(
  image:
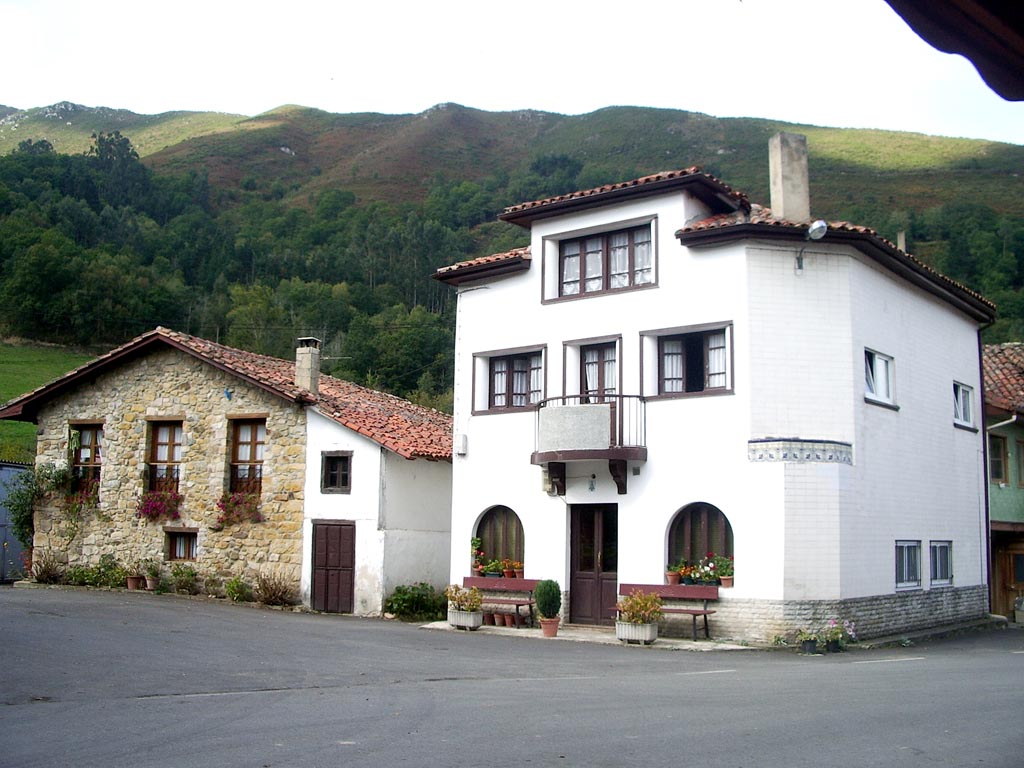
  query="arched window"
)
[
  {"x": 501, "y": 534},
  {"x": 696, "y": 530}
]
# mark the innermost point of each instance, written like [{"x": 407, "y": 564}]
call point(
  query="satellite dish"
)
[{"x": 817, "y": 230}]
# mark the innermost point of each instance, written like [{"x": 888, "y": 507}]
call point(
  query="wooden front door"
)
[
  {"x": 1008, "y": 577},
  {"x": 593, "y": 578},
  {"x": 334, "y": 561}
]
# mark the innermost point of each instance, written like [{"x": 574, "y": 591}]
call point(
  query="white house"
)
[{"x": 669, "y": 370}]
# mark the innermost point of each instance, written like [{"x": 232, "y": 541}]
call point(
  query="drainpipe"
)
[{"x": 984, "y": 465}]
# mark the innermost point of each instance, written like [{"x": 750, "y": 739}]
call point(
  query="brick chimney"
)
[
  {"x": 787, "y": 167},
  {"x": 307, "y": 364}
]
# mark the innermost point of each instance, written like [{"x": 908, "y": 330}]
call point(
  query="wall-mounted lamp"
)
[
  {"x": 592, "y": 483},
  {"x": 227, "y": 393},
  {"x": 817, "y": 230}
]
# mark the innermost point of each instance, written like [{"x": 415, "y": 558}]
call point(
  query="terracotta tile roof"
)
[
  {"x": 654, "y": 181},
  {"x": 407, "y": 429},
  {"x": 516, "y": 260},
  {"x": 1003, "y": 366},
  {"x": 759, "y": 222}
]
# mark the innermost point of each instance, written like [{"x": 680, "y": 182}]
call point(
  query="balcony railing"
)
[{"x": 585, "y": 427}]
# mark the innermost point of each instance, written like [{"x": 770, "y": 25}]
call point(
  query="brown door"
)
[
  {"x": 593, "y": 585},
  {"x": 334, "y": 559},
  {"x": 1009, "y": 578}
]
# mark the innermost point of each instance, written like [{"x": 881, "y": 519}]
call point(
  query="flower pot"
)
[
  {"x": 488, "y": 619},
  {"x": 152, "y": 582},
  {"x": 636, "y": 633},
  {"x": 509, "y": 574},
  {"x": 135, "y": 582},
  {"x": 549, "y": 627},
  {"x": 727, "y": 581},
  {"x": 510, "y": 619},
  {"x": 470, "y": 620},
  {"x": 519, "y": 573},
  {"x": 687, "y": 580},
  {"x": 492, "y": 575},
  {"x": 808, "y": 646},
  {"x": 833, "y": 646},
  {"x": 672, "y": 577}
]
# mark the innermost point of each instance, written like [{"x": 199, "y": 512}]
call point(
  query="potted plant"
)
[
  {"x": 518, "y": 567},
  {"x": 493, "y": 569},
  {"x": 638, "y": 614},
  {"x": 723, "y": 569},
  {"x": 508, "y": 568},
  {"x": 837, "y": 633},
  {"x": 464, "y": 607},
  {"x": 136, "y": 575},
  {"x": 686, "y": 574},
  {"x": 548, "y": 596},
  {"x": 151, "y": 568},
  {"x": 478, "y": 555},
  {"x": 673, "y": 573},
  {"x": 808, "y": 639}
]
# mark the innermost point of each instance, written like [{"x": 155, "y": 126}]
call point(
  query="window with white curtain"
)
[
  {"x": 963, "y": 412},
  {"x": 516, "y": 381},
  {"x": 693, "y": 362},
  {"x": 908, "y": 564},
  {"x": 606, "y": 262},
  {"x": 941, "y": 562}
]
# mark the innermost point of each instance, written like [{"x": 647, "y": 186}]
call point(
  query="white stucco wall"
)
[{"x": 803, "y": 530}]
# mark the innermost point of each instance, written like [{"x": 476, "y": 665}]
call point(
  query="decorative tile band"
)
[{"x": 794, "y": 449}]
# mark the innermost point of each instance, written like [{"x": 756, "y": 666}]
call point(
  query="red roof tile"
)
[
  {"x": 1003, "y": 365},
  {"x": 407, "y": 429},
  {"x": 516, "y": 260}
]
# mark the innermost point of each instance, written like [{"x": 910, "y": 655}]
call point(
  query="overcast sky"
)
[{"x": 824, "y": 62}]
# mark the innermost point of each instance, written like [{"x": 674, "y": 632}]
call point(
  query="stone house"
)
[
  {"x": 1004, "y": 409},
  {"x": 351, "y": 486},
  {"x": 669, "y": 370}
]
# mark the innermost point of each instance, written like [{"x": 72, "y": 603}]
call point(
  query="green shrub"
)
[
  {"x": 185, "y": 578},
  {"x": 237, "y": 590},
  {"x": 109, "y": 572},
  {"x": 47, "y": 569},
  {"x": 419, "y": 602},
  {"x": 80, "y": 576},
  {"x": 548, "y": 596},
  {"x": 274, "y": 589}
]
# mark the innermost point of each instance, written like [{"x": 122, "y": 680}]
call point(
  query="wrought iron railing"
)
[{"x": 627, "y": 418}]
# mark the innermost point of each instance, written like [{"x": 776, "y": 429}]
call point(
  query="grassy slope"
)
[{"x": 22, "y": 369}]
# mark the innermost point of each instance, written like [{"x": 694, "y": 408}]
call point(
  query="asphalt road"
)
[{"x": 123, "y": 679}]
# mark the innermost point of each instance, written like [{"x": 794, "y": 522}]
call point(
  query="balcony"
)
[{"x": 610, "y": 428}]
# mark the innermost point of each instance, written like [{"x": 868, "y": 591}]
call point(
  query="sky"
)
[{"x": 852, "y": 64}]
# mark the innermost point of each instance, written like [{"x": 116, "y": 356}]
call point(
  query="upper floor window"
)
[
  {"x": 87, "y": 444},
  {"x": 606, "y": 262},
  {"x": 998, "y": 471},
  {"x": 878, "y": 373},
  {"x": 963, "y": 411},
  {"x": 248, "y": 441},
  {"x": 599, "y": 372},
  {"x": 336, "y": 472},
  {"x": 515, "y": 380},
  {"x": 692, "y": 362},
  {"x": 164, "y": 455}
]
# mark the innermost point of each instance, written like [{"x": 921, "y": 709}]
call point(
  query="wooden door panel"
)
[{"x": 333, "y": 567}]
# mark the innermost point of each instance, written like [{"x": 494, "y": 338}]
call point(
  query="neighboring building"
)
[
  {"x": 353, "y": 485},
  {"x": 669, "y": 370},
  {"x": 11, "y": 565},
  {"x": 1004, "y": 412}
]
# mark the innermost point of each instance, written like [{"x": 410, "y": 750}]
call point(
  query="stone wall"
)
[
  {"x": 878, "y": 616},
  {"x": 172, "y": 386}
]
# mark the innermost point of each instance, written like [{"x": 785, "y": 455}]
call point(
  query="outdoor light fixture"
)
[
  {"x": 592, "y": 483},
  {"x": 817, "y": 230}
]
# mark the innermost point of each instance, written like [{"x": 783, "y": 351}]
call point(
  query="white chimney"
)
[
  {"x": 307, "y": 364},
  {"x": 787, "y": 167}
]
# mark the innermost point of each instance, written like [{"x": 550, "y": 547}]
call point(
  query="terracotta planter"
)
[
  {"x": 549, "y": 627},
  {"x": 509, "y": 574},
  {"x": 152, "y": 582},
  {"x": 672, "y": 577},
  {"x": 636, "y": 633},
  {"x": 488, "y": 619},
  {"x": 510, "y": 619},
  {"x": 135, "y": 582},
  {"x": 727, "y": 581},
  {"x": 519, "y": 573}
]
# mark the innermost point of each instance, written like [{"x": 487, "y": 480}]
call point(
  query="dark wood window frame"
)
[
  {"x": 501, "y": 534},
  {"x": 697, "y": 529},
  {"x": 88, "y": 454},
  {"x": 519, "y": 368},
  {"x": 702, "y": 367},
  {"x": 1020, "y": 463},
  {"x": 335, "y": 471},
  {"x": 997, "y": 460},
  {"x": 247, "y": 470},
  {"x": 163, "y": 472},
  {"x": 181, "y": 544},
  {"x": 575, "y": 253},
  {"x": 597, "y": 390}
]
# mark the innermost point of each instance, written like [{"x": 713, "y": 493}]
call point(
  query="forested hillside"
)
[{"x": 302, "y": 223}]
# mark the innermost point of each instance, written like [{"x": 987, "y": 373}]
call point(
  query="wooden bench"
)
[
  {"x": 504, "y": 585},
  {"x": 702, "y": 592}
]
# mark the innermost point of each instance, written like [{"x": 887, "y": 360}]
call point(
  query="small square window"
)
[
  {"x": 878, "y": 377},
  {"x": 941, "y": 562},
  {"x": 181, "y": 545},
  {"x": 908, "y": 564},
  {"x": 963, "y": 408},
  {"x": 336, "y": 472}
]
